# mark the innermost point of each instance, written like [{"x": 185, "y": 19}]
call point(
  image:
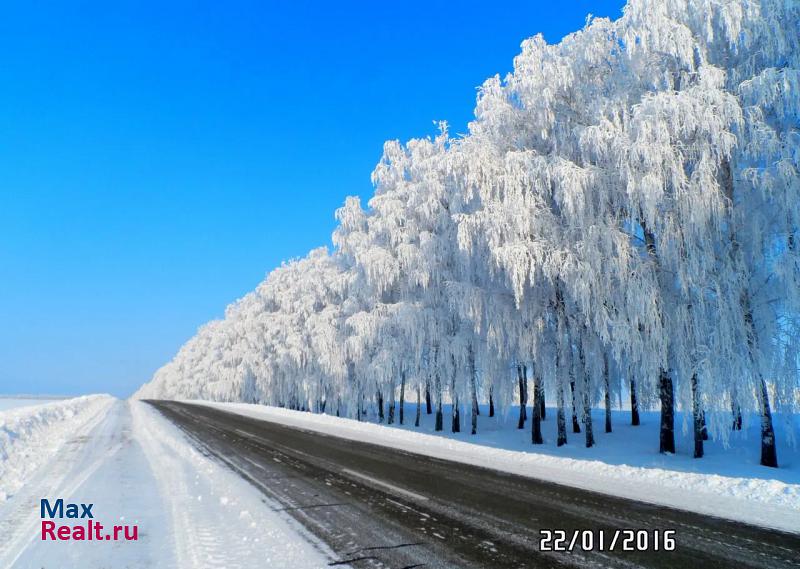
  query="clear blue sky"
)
[{"x": 158, "y": 158}]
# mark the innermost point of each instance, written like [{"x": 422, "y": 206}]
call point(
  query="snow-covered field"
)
[
  {"x": 726, "y": 482},
  {"x": 137, "y": 469},
  {"x": 7, "y": 403}
]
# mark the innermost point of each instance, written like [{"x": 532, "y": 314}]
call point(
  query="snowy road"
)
[
  {"x": 138, "y": 469},
  {"x": 381, "y": 507}
]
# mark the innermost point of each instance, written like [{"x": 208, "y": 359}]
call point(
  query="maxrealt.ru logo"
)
[{"x": 91, "y": 530}]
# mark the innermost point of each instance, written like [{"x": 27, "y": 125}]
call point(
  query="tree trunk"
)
[
  {"x": 522, "y": 398},
  {"x": 587, "y": 419},
  {"x": 402, "y": 396},
  {"x": 561, "y": 419},
  {"x": 428, "y": 409},
  {"x": 474, "y": 413},
  {"x": 704, "y": 430},
  {"x": 474, "y": 390},
  {"x": 491, "y": 401},
  {"x": 456, "y": 416},
  {"x": 576, "y": 427},
  {"x": 769, "y": 453},
  {"x": 536, "y": 417},
  {"x": 634, "y": 406},
  {"x": 542, "y": 409},
  {"x": 697, "y": 420},
  {"x": 587, "y": 402},
  {"x": 608, "y": 392},
  {"x": 439, "y": 425},
  {"x": 456, "y": 427},
  {"x": 666, "y": 438},
  {"x": 524, "y": 393},
  {"x": 419, "y": 407},
  {"x": 736, "y": 411},
  {"x": 380, "y": 407},
  {"x": 390, "y": 418},
  {"x": 667, "y": 431}
]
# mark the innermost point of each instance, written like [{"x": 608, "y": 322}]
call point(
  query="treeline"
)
[{"x": 621, "y": 218}]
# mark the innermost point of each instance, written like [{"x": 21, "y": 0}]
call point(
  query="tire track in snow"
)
[
  {"x": 71, "y": 465},
  {"x": 216, "y": 519}
]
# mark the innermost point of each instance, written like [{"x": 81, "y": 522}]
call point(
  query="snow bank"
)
[
  {"x": 30, "y": 435},
  {"x": 752, "y": 497}
]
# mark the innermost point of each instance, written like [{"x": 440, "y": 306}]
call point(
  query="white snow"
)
[
  {"x": 727, "y": 483},
  {"x": 30, "y": 433},
  {"x": 13, "y": 402},
  {"x": 137, "y": 468}
]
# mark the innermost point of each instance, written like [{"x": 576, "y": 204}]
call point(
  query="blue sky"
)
[{"x": 157, "y": 159}]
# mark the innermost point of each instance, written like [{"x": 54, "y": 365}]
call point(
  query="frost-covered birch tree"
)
[{"x": 621, "y": 218}]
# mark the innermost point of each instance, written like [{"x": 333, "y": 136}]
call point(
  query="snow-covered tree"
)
[{"x": 622, "y": 217}]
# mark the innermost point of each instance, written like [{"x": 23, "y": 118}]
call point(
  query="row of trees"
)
[{"x": 622, "y": 217}]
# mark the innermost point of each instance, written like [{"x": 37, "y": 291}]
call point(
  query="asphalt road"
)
[{"x": 380, "y": 507}]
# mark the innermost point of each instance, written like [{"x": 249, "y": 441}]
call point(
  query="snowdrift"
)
[{"x": 29, "y": 436}]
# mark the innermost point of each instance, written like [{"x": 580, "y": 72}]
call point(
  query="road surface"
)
[{"x": 381, "y": 507}]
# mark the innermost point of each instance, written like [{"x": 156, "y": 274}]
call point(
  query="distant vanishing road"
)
[{"x": 380, "y": 507}]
